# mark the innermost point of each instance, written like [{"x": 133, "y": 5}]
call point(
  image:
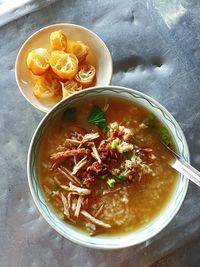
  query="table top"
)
[{"x": 155, "y": 49}]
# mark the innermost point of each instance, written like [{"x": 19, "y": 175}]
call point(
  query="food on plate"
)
[
  {"x": 79, "y": 49},
  {"x": 47, "y": 86},
  {"x": 70, "y": 87},
  {"x": 58, "y": 40},
  {"x": 102, "y": 165},
  {"x": 38, "y": 61},
  {"x": 85, "y": 75},
  {"x": 65, "y": 65},
  {"x": 62, "y": 71}
]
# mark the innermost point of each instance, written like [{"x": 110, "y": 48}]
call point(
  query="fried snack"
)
[
  {"x": 79, "y": 49},
  {"x": 58, "y": 40},
  {"x": 70, "y": 87},
  {"x": 61, "y": 72},
  {"x": 65, "y": 65},
  {"x": 38, "y": 61},
  {"x": 47, "y": 86},
  {"x": 85, "y": 75}
]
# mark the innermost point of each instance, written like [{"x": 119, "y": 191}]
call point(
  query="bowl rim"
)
[
  {"x": 107, "y": 246},
  {"x": 109, "y": 62}
]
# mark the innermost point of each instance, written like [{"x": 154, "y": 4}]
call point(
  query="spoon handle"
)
[{"x": 186, "y": 169}]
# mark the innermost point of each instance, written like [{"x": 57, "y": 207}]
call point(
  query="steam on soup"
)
[{"x": 103, "y": 168}]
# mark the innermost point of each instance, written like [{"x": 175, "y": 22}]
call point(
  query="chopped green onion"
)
[
  {"x": 114, "y": 144},
  {"x": 70, "y": 114},
  {"x": 151, "y": 116},
  {"x": 55, "y": 190},
  {"x": 128, "y": 154},
  {"x": 121, "y": 177},
  {"x": 111, "y": 182},
  {"x": 165, "y": 135}
]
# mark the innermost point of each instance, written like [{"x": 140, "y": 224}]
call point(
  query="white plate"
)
[{"x": 99, "y": 56}]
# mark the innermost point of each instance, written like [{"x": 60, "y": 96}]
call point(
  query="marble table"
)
[{"x": 155, "y": 49}]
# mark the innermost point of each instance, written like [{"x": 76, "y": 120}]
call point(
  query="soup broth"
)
[{"x": 102, "y": 166}]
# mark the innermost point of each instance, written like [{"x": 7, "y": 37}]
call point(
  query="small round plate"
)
[{"x": 99, "y": 56}]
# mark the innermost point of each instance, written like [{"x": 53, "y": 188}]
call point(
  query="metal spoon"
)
[{"x": 184, "y": 168}]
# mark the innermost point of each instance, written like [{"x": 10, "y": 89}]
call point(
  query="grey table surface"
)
[{"x": 155, "y": 45}]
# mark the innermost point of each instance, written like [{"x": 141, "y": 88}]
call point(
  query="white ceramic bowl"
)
[
  {"x": 144, "y": 233},
  {"x": 99, "y": 56}
]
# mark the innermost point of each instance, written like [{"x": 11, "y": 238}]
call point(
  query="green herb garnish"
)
[
  {"x": 70, "y": 114},
  {"x": 121, "y": 177},
  {"x": 97, "y": 116},
  {"x": 111, "y": 182},
  {"x": 128, "y": 154},
  {"x": 165, "y": 135},
  {"x": 151, "y": 117},
  {"x": 55, "y": 190},
  {"x": 105, "y": 129},
  {"x": 53, "y": 193},
  {"x": 114, "y": 144}
]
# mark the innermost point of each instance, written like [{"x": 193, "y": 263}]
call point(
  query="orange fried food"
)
[
  {"x": 38, "y": 61},
  {"x": 79, "y": 49},
  {"x": 85, "y": 75},
  {"x": 47, "y": 86},
  {"x": 70, "y": 87},
  {"x": 65, "y": 65},
  {"x": 58, "y": 40}
]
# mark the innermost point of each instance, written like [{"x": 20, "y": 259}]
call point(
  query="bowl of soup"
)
[{"x": 98, "y": 170}]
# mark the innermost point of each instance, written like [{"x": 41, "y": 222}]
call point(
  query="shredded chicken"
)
[
  {"x": 47, "y": 190},
  {"x": 94, "y": 220},
  {"x": 69, "y": 196},
  {"x": 94, "y": 160},
  {"x": 76, "y": 190},
  {"x": 90, "y": 226},
  {"x": 78, "y": 206},
  {"x": 95, "y": 152},
  {"x": 99, "y": 210},
  {"x": 96, "y": 232},
  {"x": 56, "y": 164},
  {"x": 106, "y": 107},
  {"x": 71, "y": 141},
  {"x": 68, "y": 175},
  {"x": 69, "y": 199},
  {"x": 65, "y": 205},
  {"x": 75, "y": 160},
  {"x": 79, "y": 165},
  {"x": 73, "y": 206},
  {"x": 71, "y": 220},
  {"x": 57, "y": 181},
  {"x": 106, "y": 192},
  {"x": 143, "y": 126},
  {"x": 69, "y": 153},
  {"x": 90, "y": 137},
  {"x": 79, "y": 190}
]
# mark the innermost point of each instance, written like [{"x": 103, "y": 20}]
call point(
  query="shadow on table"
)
[{"x": 149, "y": 252}]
